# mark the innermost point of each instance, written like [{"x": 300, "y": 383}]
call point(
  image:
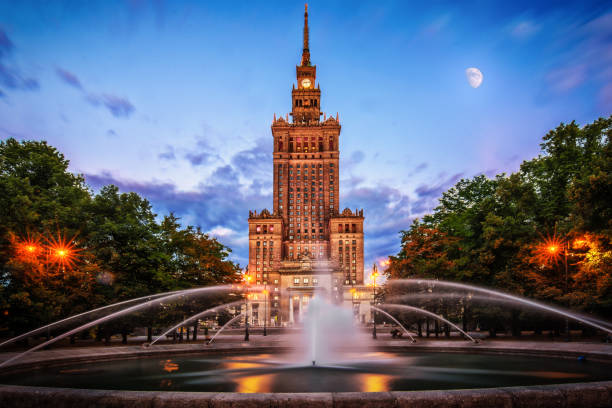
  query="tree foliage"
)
[
  {"x": 493, "y": 232},
  {"x": 120, "y": 248}
]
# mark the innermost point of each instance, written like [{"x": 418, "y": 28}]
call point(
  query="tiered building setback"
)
[{"x": 305, "y": 244}]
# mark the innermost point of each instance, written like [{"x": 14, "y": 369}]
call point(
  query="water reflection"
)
[
  {"x": 169, "y": 366},
  {"x": 369, "y": 371},
  {"x": 165, "y": 383},
  {"x": 374, "y": 382},
  {"x": 255, "y": 383},
  {"x": 249, "y": 383}
]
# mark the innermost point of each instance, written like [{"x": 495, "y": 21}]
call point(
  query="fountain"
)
[
  {"x": 396, "y": 322},
  {"x": 430, "y": 314},
  {"x": 589, "y": 321},
  {"x": 329, "y": 353},
  {"x": 329, "y": 333},
  {"x": 230, "y": 321}
]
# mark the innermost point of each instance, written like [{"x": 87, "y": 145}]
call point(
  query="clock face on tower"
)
[{"x": 306, "y": 83}]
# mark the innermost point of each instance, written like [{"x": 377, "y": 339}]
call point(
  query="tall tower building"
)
[{"x": 305, "y": 244}]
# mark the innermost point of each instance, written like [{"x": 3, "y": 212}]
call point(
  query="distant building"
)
[{"x": 305, "y": 244}]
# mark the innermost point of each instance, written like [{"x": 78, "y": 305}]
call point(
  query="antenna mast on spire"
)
[{"x": 306, "y": 50}]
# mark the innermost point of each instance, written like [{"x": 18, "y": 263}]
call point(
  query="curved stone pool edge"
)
[
  {"x": 590, "y": 394},
  {"x": 581, "y": 395}
]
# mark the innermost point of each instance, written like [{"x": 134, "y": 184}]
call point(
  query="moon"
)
[{"x": 474, "y": 77}]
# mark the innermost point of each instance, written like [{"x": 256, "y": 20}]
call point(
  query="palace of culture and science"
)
[{"x": 305, "y": 245}]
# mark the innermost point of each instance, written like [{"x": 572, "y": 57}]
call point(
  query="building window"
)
[
  {"x": 305, "y": 281},
  {"x": 296, "y": 281}
]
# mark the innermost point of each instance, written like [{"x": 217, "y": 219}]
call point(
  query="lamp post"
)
[
  {"x": 553, "y": 248},
  {"x": 265, "y": 333},
  {"x": 373, "y": 276},
  {"x": 247, "y": 279}
]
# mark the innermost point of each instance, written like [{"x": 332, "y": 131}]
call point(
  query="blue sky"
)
[{"x": 174, "y": 100}]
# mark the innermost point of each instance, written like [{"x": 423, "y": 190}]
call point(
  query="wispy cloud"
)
[
  {"x": 119, "y": 107},
  {"x": 203, "y": 154},
  {"x": 6, "y": 45},
  {"x": 69, "y": 78},
  {"x": 255, "y": 161},
  {"x": 437, "y": 24},
  {"x": 567, "y": 78},
  {"x": 524, "y": 29},
  {"x": 168, "y": 154},
  {"x": 587, "y": 57},
  {"x": 11, "y": 77}
]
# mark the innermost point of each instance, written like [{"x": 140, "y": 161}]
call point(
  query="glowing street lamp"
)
[
  {"x": 62, "y": 252},
  {"x": 373, "y": 277},
  {"x": 552, "y": 249},
  {"x": 265, "y": 292},
  {"x": 247, "y": 280},
  {"x": 28, "y": 250}
]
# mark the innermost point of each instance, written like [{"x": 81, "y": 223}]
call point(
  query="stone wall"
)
[{"x": 583, "y": 395}]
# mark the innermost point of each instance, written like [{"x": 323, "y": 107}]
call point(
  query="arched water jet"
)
[
  {"x": 488, "y": 298},
  {"x": 195, "y": 316},
  {"x": 125, "y": 302},
  {"x": 431, "y": 314},
  {"x": 112, "y": 316},
  {"x": 451, "y": 295},
  {"x": 396, "y": 321},
  {"x": 223, "y": 328},
  {"x": 583, "y": 319}
]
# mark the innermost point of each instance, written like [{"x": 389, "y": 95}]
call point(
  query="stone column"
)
[
  {"x": 291, "y": 309},
  {"x": 300, "y": 309}
]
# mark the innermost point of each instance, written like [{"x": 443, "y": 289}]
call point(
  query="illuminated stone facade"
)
[{"x": 305, "y": 244}]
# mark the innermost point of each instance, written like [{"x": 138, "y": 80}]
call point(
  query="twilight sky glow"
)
[{"x": 174, "y": 100}]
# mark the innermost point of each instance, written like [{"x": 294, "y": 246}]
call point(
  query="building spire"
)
[{"x": 305, "y": 50}]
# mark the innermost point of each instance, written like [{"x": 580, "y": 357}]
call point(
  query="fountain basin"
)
[{"x": 243, "y": 368}]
